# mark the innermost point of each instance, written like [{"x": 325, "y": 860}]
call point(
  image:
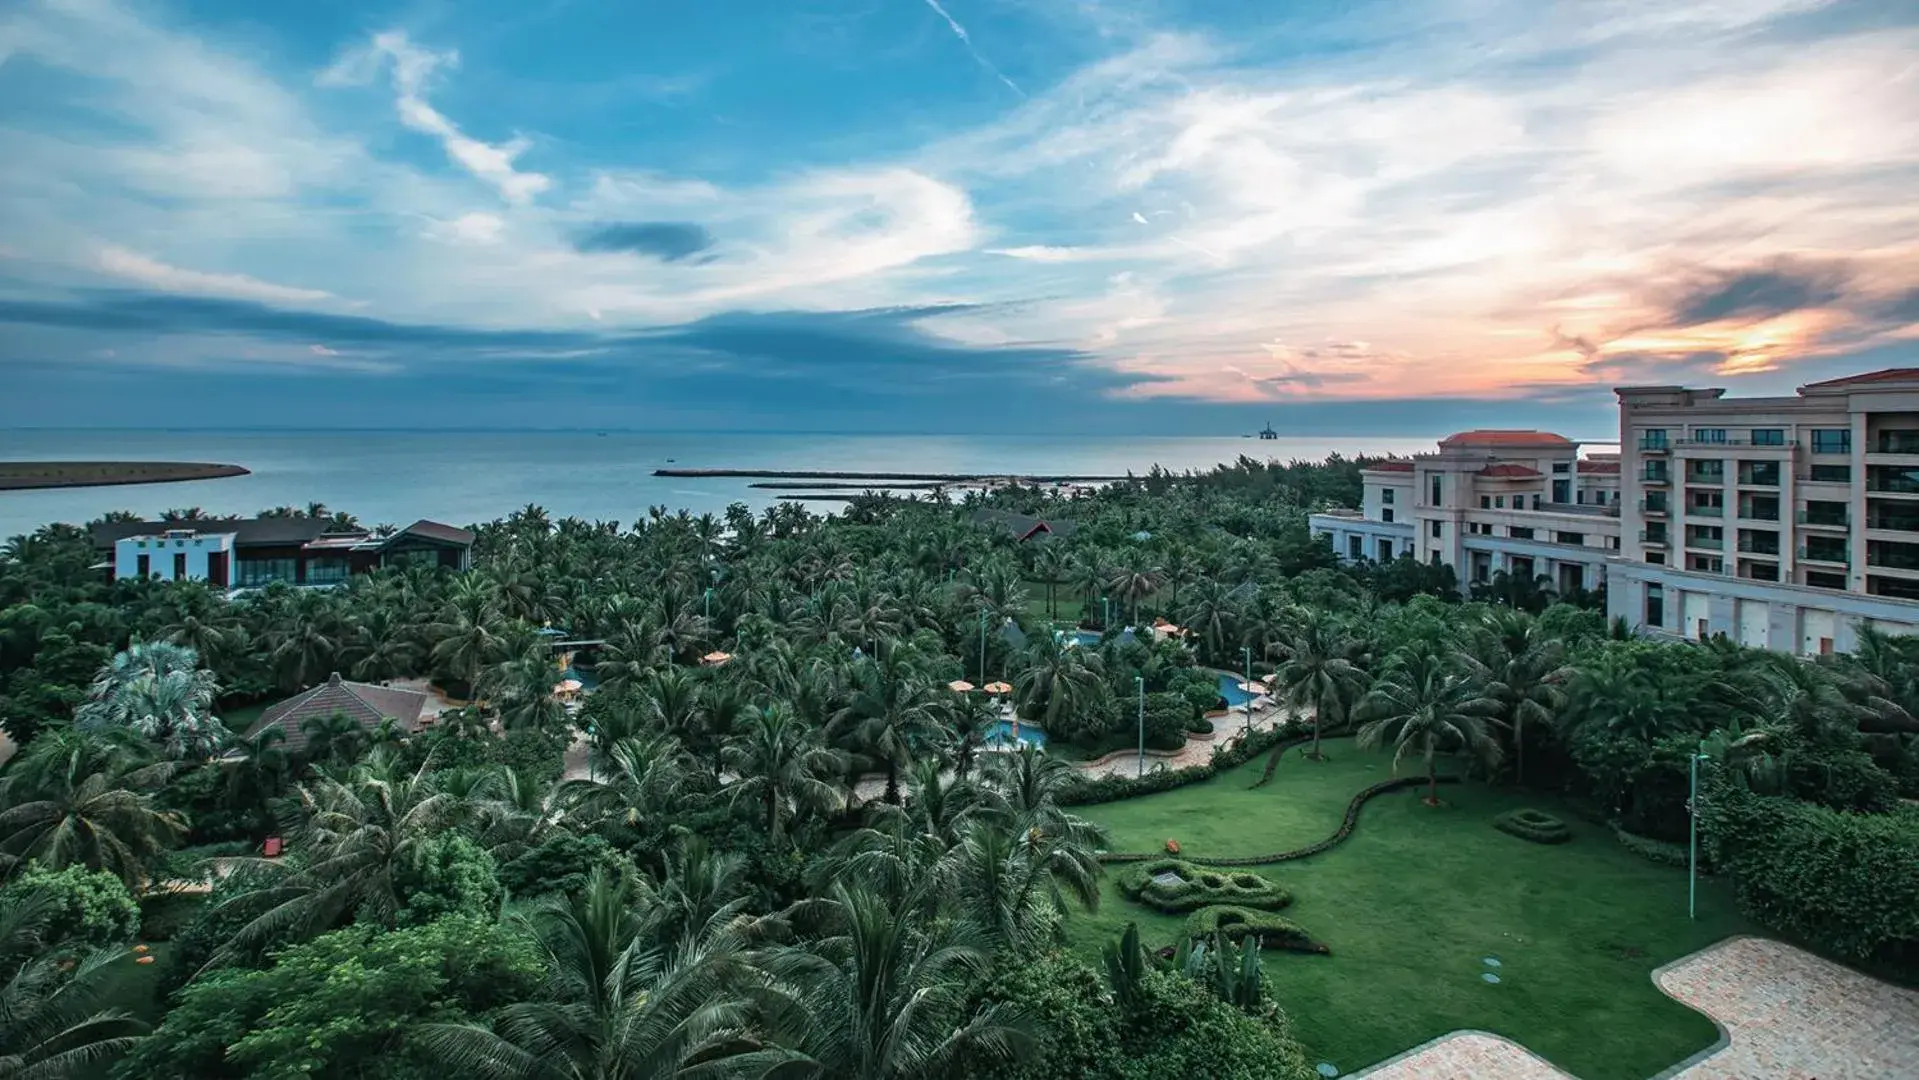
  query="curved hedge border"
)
[
  {"x": 1236, "y": 923},
  {"x": 1534, "y": 825},
  {"x": 1345, "y": 830},
  {"x": 1200, "y": 888},
  {"x": 1112, "y": 788},
  {"x": 1663, "y": 852}
]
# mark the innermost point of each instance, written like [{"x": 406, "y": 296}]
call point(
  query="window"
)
[
  {"x": 1824, "y": 512},
  {"x": 1832, "y": 440},
  {"x": 1653, "y": 533},
  {"x": 1655, "y": 605},
  {"x": 1652, "y": 439},
  {"x": 1759, "y": 507},
  {"x": 333, "y": 569},
  {"x": 1898, "y": 479},
  {"x": 1519, "y": 533},
  {"x": 1438, "y": 490},
  {"x": 1386, "y": 496},
  {"x": 1655, "y": 502},
  {"x": 1821, "y": 580},
  {"x": 1434, "y": 528},
  {"x": 1759, "y": 473},
  {"x": 1706, "y": 472},
  {"x": 1499, "y": 502},
  {"x": 1898, "y": 442},
  {"x": 1386, "y": 515},
  {"x": 1709, "y": 434},
  {"x": 1656, "y": 472},
  {"x": 1656, "y": 558},
  {"x": 179, "y": 566},
  {"x": 1831, "y": 474},
  {"x": 143, "y": 566},
  {"x": 1485, "y": 502},
  {"x": 1824, "y": 549},
  {"x": 1571, "y": 538},
  {"x": 255, "y": 572},
  {"x": 1562, "y": 467},
  {"x": 1353, "y": 548},
  {"x": 1706, "y": 564},
  {"x": 1562, "y": 491},
  {"x": 1768, "y": 436},
  {"x": 1760, "y": 571}
]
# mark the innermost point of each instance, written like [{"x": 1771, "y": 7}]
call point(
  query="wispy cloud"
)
[
  {"x": 158, "y": 275},
  {"x": 967, "y": 40},
  {"x": 412, "y": 66}
]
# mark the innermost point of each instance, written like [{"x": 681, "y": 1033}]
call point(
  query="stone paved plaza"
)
[{"x": 1789, "y": 1015}]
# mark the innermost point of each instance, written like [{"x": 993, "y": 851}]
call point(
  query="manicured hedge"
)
[
  {"x": 1845, "y": 882},
  {"x": 1339, "y": 836},
  {"x": 1660, "y": 851},
  {"x": 1236, "y": 923},
  {"x": 1200, "y": 887},
  {"x": 1112, "y": 788},
  {"x": 1535, "y": 825}
]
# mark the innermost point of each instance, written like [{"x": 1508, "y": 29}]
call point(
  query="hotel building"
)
[
  {"x": 250, "y": 553},
  {"x": 1780, "y": 522}
]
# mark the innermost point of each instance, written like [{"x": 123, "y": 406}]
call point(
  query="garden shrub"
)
[
  {"x": 452, "y": 875},
  {"x": 91, "y": 908},
  {"x": 1535, "y": 825},
  {"x": 1662, "y": 852},
  {"x": 1848, "y": 883},
  {"x": 1236, "y": 923},
  {"x": 1166, "y": 718},
  {"x": 1199, "y": 888}
]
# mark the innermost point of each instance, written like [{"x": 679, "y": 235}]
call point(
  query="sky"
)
[{"x": 1137, "y": 216}]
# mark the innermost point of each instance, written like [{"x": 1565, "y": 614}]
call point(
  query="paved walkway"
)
[{"x": 1786, "y": 1014}]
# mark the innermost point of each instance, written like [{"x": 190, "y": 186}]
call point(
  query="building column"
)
[{"x": 1782, "y": 627}]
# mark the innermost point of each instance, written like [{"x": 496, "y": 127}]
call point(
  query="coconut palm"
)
[
  {"x": 55, "y": 1021},
  {"x": 891, "y": 715},
  {"x": 1131, "y": 584},
  {"x": 623, "y": 998},
  {"x": 884, "y": 996},
  {"x": 335, "y": 739},
  {"x": 160, "y": 691},
  {"x": 78, "y": 798},
  {"x": 779, "y": 763},
  {"x": 635, "y": 784},
  {"x": 1529, "y": 677},
  {"x": 1057, "y": 682},
  {"x": 1012, "y": 878},
  {"x": 1317, "y": 671},
  {"x": 1426, "y": 703}
]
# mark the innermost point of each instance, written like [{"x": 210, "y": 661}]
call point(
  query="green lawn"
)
[
  {"x": 1069, "y": 603},
  {"x": 1414, "y": 900}
]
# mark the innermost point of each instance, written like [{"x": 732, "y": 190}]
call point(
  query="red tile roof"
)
[
  {"x": 365, "y": 703},
  {"x": 1509, "y": 471},
  {"x": 1505, "y": 438},
  {"x": 1599, "y": 467},
  {"x": 1895, "y": 374},
  {"x": 1389, "y": 466}
]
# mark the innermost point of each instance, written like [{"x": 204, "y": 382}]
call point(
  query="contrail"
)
[{"x": 967, "y": 40}]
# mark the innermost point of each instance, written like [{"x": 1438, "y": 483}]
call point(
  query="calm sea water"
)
[{"x": 460, "y": 478}]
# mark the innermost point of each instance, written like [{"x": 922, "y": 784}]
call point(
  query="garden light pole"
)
[
  {"x": 1247, "y": 690},
  {"x": 1692, "y": 840},
  {"x": 982, "y": 648},
  {"x": 1141, "y": 681},
  {"x": 709, "y": 603}
]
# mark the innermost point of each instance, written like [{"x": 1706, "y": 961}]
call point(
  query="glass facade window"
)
[
  {"x": 1485, "y": 502},
  {"x": 1820, "y": 580},
  {"x": 1652, "y": 439},
  {"x": 1898, "y": 479},
  {"x": 1897, "y": 442},
  {"x": 1830, "y": 474},
  {"x": 1759, "y": 473},
  {"x": 1562, "y": 491},
  {"x": 256, "y": 572},
  {"x": 1824, "y": 549},
  {"x": 1657, "y": 472},
  {"x": 1655, "y": 605},
  {"x": 1386, "y": 515},
  {"x": 1709, "y": 434},
  {"x": 327, "y": 570},
  {"x": 1434, "y": 527},
  {"x": 1824, "y": 512},
  {"x": 1705, "y": 472},
  {"x": 1439, "y": 489},
  {"x": 1768, "y": 436},
  {"x": 1831, "y": 440},
  {"x": 1519, "y": 532},
  {"x": 1386, "y": 496},
  {"x": 1572, "y": 538}
]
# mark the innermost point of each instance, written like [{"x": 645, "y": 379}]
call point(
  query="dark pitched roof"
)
[
  {"x": 433, "y": 530},
  {"x": 363, "y": 702},
  {"x": 1023, "y": 526},
  {"x": 246, "y": 531}
]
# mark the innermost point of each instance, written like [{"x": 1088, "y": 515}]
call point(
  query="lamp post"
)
[
  {"x": 1248, "y": 690},
  {"x": 709, "y": 603},
  {"x": 1105, "y": 613},
  {"x": 1692, "y": 828},
  {"x": 1141, "y": 681}
]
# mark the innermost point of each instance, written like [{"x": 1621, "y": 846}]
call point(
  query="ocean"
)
[{"x": 460, "y": 478}]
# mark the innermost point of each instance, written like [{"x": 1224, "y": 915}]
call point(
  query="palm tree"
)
[
  {"x": 1426, "y": 703},
  {"x": 256, "y": 769},
  {"x": 54, "y": 1019},
  {"x": 635, "y": 783},
  {"x": 891, "y": 715},
  {"x": 1529, "y": 677},
  {"x": 159, "y": 690},
  {"x": 884, "y": 997},
  {"x": 76, "y": 798},
  {"x": 778, "y": 762},
  {"x": 335, "y": 738},
  {"x": 1012, "y": 879},
  {"x": 1317, "y": 671},
  {"x": 1057, "y": 682},
  {"x": 623, "y": 998},
  {"x": 1133, "y": 584}
]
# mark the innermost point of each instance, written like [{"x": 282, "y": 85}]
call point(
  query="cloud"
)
[
  {"x": 476, "y": 227},
  {"x": 1760, "y": 292},
  {"x": 967, "y": 40},
  {"x": 156, "y": 274},
  {"x": 667, "y": 241},
  {"x": 412, "y": 67}
]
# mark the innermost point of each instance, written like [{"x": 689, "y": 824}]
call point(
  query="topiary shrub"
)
[
  {"x": 1197, "y": 888},
  {"x": 1535, "y": 825},
  {"x": 1236, "y": 923}
]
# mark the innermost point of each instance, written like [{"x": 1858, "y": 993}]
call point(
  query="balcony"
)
[
  {"x": 1706, "y": 543},
  {"x": 1892, "y": 556},
  {"x": 1892, "y": 480},
  {"x": 1653, "y": 506},
  {"x": 1823, "y": 521},
  {"x": 1656, "y": 476},
  {"x": 1896, "y": 442},
  {"x": 1893, "y": 522},
  {"x": 1754, "y": 547},
  {"x": 1760, "y": 477},
  {"x": 1647, "y": 536},
  {"x": 1714, "y": 477},
  {"x": 1825, "y": 555},
  {"x": 1654, "y": 446},
  {"x": 1705, "y": 511}
]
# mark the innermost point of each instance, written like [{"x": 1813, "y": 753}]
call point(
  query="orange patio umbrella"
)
[
  {"x": 716, "y": 658},
  {"x": 959, "y": 686},
  {"x": 998, "y": 688}
]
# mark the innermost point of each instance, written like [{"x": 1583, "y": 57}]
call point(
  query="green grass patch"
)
[
  {"x": 1414, "y": 901},
  {"x": 1535, "y": 825},
  {"x": 1172, "y": 886}
]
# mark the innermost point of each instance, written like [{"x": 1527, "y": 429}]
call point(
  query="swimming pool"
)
[
  {"x": 1001, "y": 737},
  {"x": 1081, "y": 637},
  {"x": 1229, "y": 689}
]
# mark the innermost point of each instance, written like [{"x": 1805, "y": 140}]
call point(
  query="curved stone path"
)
[{"x": 1783, "y": 1013}]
